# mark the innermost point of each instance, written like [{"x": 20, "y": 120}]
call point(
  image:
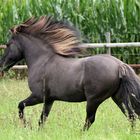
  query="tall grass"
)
[{"x": 93, "y": 18}]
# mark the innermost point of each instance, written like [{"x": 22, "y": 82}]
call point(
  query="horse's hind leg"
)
[
  {"x": 94, "y": 98},
  {"x": 125, "y": 110},
  {"x": 92, "y": 105},
  {"x": 31, "y": 100}
]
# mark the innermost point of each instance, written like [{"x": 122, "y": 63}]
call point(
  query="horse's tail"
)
[{"x": 129, "y": 90}]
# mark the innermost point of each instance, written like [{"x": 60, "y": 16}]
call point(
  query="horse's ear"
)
[{"x": 15, "y": 29}]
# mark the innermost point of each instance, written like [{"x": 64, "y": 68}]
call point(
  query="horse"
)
[{"x": 49, "y": 47}]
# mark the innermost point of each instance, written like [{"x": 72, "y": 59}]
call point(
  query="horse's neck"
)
[{"x": 35, "y": 51}]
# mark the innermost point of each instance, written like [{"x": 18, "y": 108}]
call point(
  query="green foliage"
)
[{"x": 93, "y": 18}]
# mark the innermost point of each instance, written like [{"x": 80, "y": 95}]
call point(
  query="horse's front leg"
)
[
  {"x": 31, "y": 100},
  {"x": 45, "y": 112}
]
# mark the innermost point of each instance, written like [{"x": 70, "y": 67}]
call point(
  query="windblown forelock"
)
[{"x": 61, "y": 36}]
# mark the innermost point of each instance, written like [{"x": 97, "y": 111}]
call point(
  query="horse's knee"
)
[{"x": 21, "y": 106}]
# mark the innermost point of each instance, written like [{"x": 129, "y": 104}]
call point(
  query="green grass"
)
[{"x": 65, "y": 121}]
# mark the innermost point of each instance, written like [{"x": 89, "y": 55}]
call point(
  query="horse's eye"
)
[{"x": 7, "y": 45}]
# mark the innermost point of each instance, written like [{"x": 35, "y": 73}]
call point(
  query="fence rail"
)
[
  {"x": 110, "y": 45},
  {"x": 19, "y": 67},
  {"x": 94, "y": 45}
]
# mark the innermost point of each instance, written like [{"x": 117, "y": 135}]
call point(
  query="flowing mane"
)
[{"x": 60, "y": 35}]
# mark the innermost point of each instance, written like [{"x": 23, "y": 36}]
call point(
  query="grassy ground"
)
[{"x": 65, "y": 121}]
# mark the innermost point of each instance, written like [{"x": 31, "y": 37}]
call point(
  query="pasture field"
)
[{"x": 65, "y": 121}]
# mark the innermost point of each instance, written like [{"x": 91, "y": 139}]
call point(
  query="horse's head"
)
[
  {"x": 42, "y": 35},
  {"x": 12, "y": 54}
]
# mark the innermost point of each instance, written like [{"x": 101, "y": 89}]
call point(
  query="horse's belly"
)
[{"x": 70, "y": 96}]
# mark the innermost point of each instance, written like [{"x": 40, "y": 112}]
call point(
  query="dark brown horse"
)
[{"x": 47, "y": 46}]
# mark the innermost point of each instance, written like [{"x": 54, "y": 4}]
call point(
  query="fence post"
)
[{"x": 108, "y": 40}]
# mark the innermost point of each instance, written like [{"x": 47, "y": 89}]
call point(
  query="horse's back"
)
[{"x": 102, "y": 65}]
